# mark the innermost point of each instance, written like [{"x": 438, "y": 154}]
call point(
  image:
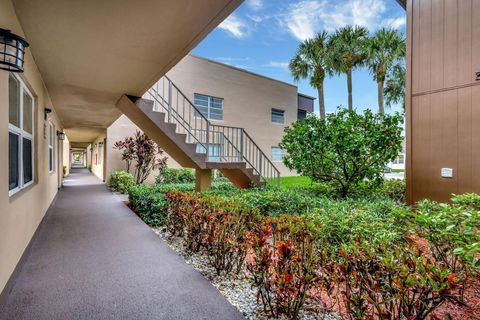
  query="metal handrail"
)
[{"x": 231, "y": 142}]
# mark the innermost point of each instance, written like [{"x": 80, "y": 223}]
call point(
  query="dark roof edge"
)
[
  {"x": 242, "y": 70},
  {"x": 306, "y": 96},
  {"x": 403, "y": 3}
]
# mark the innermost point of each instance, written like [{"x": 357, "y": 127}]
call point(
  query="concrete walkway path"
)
[{"x": 95, "y": 259}]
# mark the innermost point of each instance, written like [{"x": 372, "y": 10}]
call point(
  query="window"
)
[
  {"x": 301, "y": 114},
  {"x": 100, "y": 152},
  {"x": 214, "y": 151},
  {"x": 277, "y": 154},
  {"x": 51, "y": 147},
  {"x": 400, "y": 159},
  {"x": 210, "y": 107},
  {"x": 20, "y": 135},
  {"x": 278, "y": 116}
]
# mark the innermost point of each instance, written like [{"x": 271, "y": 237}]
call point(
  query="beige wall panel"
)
[{"x": 475, "y": 36}]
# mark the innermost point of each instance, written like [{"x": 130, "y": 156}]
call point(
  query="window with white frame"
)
[
  {"x": 210, "y": 107},
  {"x": 278, "y": 116},
  {"x": 20, "y": 135},
  {"x": 51, "y": 147},
  {"x": 400, "y": 159},
  {"x": 277, "y": 154},
  {"x": 100, "y": 153}
]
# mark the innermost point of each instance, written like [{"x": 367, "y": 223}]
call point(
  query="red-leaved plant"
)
[{"x": 284, "y": 266}]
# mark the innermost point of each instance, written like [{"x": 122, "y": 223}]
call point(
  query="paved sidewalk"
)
[{"x": 95, "y": 259}]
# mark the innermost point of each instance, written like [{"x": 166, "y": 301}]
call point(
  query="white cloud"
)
[
  {"x": 255, "y": 4},
  {"x": 307, "y": 17},
  {"x": 395, "y": 23},
  {"x": 235, "y": 26},
  {"x": 277, "y": 64},
  {"x": 302, "y": 18}
]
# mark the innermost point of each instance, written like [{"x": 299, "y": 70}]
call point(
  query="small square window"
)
[
  {"x": 277, "y": 154},
  {"x": 278, "y": 116}
]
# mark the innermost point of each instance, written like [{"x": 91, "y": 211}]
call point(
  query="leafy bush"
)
[
  {"x": 452, "y": 231},
  {"x": 149, "y": 201},
  {"x": 467, "y": 201},
  {"x": 284, "y": 266},
  {"x": 170, "y": 175},
  {"x": 343, "y": 149},
  {"x": 210, "y": 223},
  {"x": 121, "y": 181},
  {"x": 340, "y": 222},
  {"x": 391, "y": 282},
  {"x": 394, "y": 189}
]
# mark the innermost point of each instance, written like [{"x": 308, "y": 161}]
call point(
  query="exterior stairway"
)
[{"x": 178, "y": 127}]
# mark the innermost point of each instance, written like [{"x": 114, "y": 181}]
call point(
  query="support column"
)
[{"x": 203, "y": 179}]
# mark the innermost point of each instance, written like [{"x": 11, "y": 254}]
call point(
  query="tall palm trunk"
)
[
  {"x": 321, "y": 100},
  {"x": 380, "y": 96},
  {"x": 349, "y": 88}
]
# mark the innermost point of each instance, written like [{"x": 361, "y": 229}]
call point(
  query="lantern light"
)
[
  {"x": 12, "y": 51},
  {"x": 60, "y": 135}
]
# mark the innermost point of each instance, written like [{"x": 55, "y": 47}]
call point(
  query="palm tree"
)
[
  {"x": 349, "y": 53},
  {"x": 312, "y": 60},
  {"x": 384, "y": 50},
  {"x": 394, "y": 90}
]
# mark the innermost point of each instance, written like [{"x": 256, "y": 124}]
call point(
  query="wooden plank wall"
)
[{"x": 443, "y": 108}]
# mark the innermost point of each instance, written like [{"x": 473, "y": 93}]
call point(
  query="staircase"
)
[{"x": 174, "y": 122}]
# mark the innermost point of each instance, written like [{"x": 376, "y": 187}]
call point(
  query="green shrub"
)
[
  {"x": 467, "y": 201},
  {"x": 343, "y": 221},
  {"x": 343, "y": 149},
  {"x": 170, "y": 175},
  {"x": 121, "y": 181},
  {"x": 149, "y": 202},
  {"x": 394, "y": 189},
  {"x": 452, "y": 231}
]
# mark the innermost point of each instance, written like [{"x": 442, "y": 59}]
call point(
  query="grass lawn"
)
[
  {"x": 398, "y": 170},
  {"x": 287, "y": 182}
]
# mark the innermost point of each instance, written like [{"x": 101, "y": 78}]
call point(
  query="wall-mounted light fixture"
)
[
  {"x": 12, "y": 51},
  {"x": 46, "y": 111},
  {"x": 60, "y": 135}
]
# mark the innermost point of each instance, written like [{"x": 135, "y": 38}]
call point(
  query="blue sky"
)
[{"x": 263, "y": 35}]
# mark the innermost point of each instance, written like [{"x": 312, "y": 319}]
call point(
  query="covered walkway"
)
[{"x": 93, "y": 258}]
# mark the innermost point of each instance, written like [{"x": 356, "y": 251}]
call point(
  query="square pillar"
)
[{"x": 203, "y": 179}]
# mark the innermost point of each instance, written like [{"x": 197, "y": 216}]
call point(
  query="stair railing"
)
[{"x": 220, "y": 143}]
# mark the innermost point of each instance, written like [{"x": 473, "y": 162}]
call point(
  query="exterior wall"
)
[
  {"x": 66, "y": 155},
  {"x": 22, "y": 212},
  {"x": 442, "y": 116},
  {"x": 98, "y": 156},
  {"x": 248, "y": 101}
]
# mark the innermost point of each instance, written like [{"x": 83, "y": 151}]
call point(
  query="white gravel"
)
[{"x": 237, "y": 289}]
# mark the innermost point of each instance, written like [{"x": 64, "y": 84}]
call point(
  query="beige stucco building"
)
[
  {"x": 261, "y": 105},
  {"x": 83, "y": 58}
]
